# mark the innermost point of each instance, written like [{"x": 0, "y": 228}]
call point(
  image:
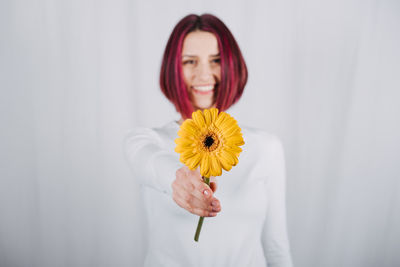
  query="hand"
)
[{"x": 191, "y": 193}]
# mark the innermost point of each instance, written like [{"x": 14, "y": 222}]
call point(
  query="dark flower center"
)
[{"x": 209, "y": 141}]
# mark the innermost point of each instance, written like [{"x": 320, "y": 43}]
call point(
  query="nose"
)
[{"x": 204, "y": 72}]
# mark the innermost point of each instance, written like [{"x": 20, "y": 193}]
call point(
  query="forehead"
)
[{"x": 200, "y": 43}]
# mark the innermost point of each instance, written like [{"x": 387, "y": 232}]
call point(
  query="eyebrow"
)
[{"x": 216, "y": 55}]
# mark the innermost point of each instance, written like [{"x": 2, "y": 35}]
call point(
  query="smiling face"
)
[{"x": 201, "y": 68}]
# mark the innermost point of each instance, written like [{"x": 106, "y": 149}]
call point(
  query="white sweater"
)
[{"x": 250, "y": 229}]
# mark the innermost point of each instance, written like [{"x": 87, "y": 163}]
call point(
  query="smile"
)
[{"x": 203, "y": 90}]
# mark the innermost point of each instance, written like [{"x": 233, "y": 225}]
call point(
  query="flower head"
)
[{"x": 211, "y": 140}]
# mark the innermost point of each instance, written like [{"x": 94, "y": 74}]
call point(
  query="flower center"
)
[{"x": 208, "y": 141}]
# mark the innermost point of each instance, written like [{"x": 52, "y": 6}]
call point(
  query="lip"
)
[
  {"x": 199, "y": 92},
  {"x": 202, "y": 92},
  {"x": 209, "y": 84}
]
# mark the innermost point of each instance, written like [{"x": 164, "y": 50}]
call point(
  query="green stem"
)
[{"x": 201, "y": 219}]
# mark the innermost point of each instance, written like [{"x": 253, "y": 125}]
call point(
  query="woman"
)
[{"x": 202, "y": 68}]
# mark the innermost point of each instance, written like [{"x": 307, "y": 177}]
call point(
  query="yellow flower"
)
[{"x": 210, "y": 140}]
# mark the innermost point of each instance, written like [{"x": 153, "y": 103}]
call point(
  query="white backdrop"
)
[{"x": 76, "y": 75}]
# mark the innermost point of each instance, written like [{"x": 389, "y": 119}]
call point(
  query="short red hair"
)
[{"x": 233, "y": 66}]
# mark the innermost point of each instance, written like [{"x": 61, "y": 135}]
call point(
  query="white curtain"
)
[{"x": 76, "y": 75}]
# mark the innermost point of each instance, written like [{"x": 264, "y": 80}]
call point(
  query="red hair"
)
[{"x": 233, "y": 66}]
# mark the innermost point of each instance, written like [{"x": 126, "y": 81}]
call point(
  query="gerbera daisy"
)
[{"x": 211, "y": 140}]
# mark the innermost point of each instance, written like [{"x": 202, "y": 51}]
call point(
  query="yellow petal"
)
[
  {"x": 184, "y": 142},
  {"x": 198, "y": 118},
  {"x": 220, "y": 119},
  {"x": 188, "y": 153},
  {"x": 183, "y": 145},
  {"x": 189, "y": 126},
  {"x": 188, "y": 129},
  {"x": 188, "y": 136},
  {"x": 235, "y": 140},
  {"x": 233, "y": 150},
  {"x": 228, "y": 123},
  {"x": 204, "y": 165},
  {"x": 232, "y": 130},
  {"x": 179, "y": 149},
  {"x": 227, "y": 157},
  {"x": 207, "y": 117},
  {"x": 194, "y": 161},
  {"x": 225, "y": 164},
  {"x": 214, "y": 114},
  {"x": 215, "y": 167},
  {"x": 209, "y": 164}
]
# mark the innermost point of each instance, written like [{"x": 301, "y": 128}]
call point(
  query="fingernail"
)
[
  {"x": 205, "y": 192},
  {"x": 214, "y": 203},
  {"x": 213, "y": 214}
]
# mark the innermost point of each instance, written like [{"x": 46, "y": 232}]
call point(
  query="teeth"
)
[{"x": 204, "y": 88}]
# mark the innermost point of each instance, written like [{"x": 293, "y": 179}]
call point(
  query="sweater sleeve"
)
[
  {"x": 274, "y": 235},
  {"x": 151, "y": 163}
]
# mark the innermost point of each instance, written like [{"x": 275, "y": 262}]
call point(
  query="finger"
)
[
  {"x": 204, "y": 213},
  {"x": 195, "y": 173},
  {"x": 213, "y": 186},
  {"x": 196, "y": 193},
  {"x": 216, "y": 205},
  {"x": 205, "y": 193},
  {"x": 183, "y": 203},
  {"x": 190, "y": 201},
  {"x": 198, "y": 189},
  {"x": 213, "y": 183},
  {"x": 199, "y": 200},
  {"x": 202, "y": 191},
  {"x": 211, "y": 204}
]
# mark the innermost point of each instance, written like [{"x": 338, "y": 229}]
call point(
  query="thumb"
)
[
  {"x": 213, "y": 186},
  {"x": 213, "y": 183}
]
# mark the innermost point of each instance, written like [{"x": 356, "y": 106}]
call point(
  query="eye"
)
[
  {"x": 190, "y": 61},
  {"x": 216, "y": 60}
]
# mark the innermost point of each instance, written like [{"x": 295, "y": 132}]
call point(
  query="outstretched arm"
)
[
  {"x": 160, "y": 169},
  {"x": 152, "y": 164}
]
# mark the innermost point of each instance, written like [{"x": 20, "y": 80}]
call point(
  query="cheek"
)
[
  {"x": 217, "y": 73},
  {"x": 187, "y": 77}
]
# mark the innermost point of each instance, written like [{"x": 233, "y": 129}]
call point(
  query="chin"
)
[
  {"x": 204, "y": 106},
  {"x": 210, "y": 103}
]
